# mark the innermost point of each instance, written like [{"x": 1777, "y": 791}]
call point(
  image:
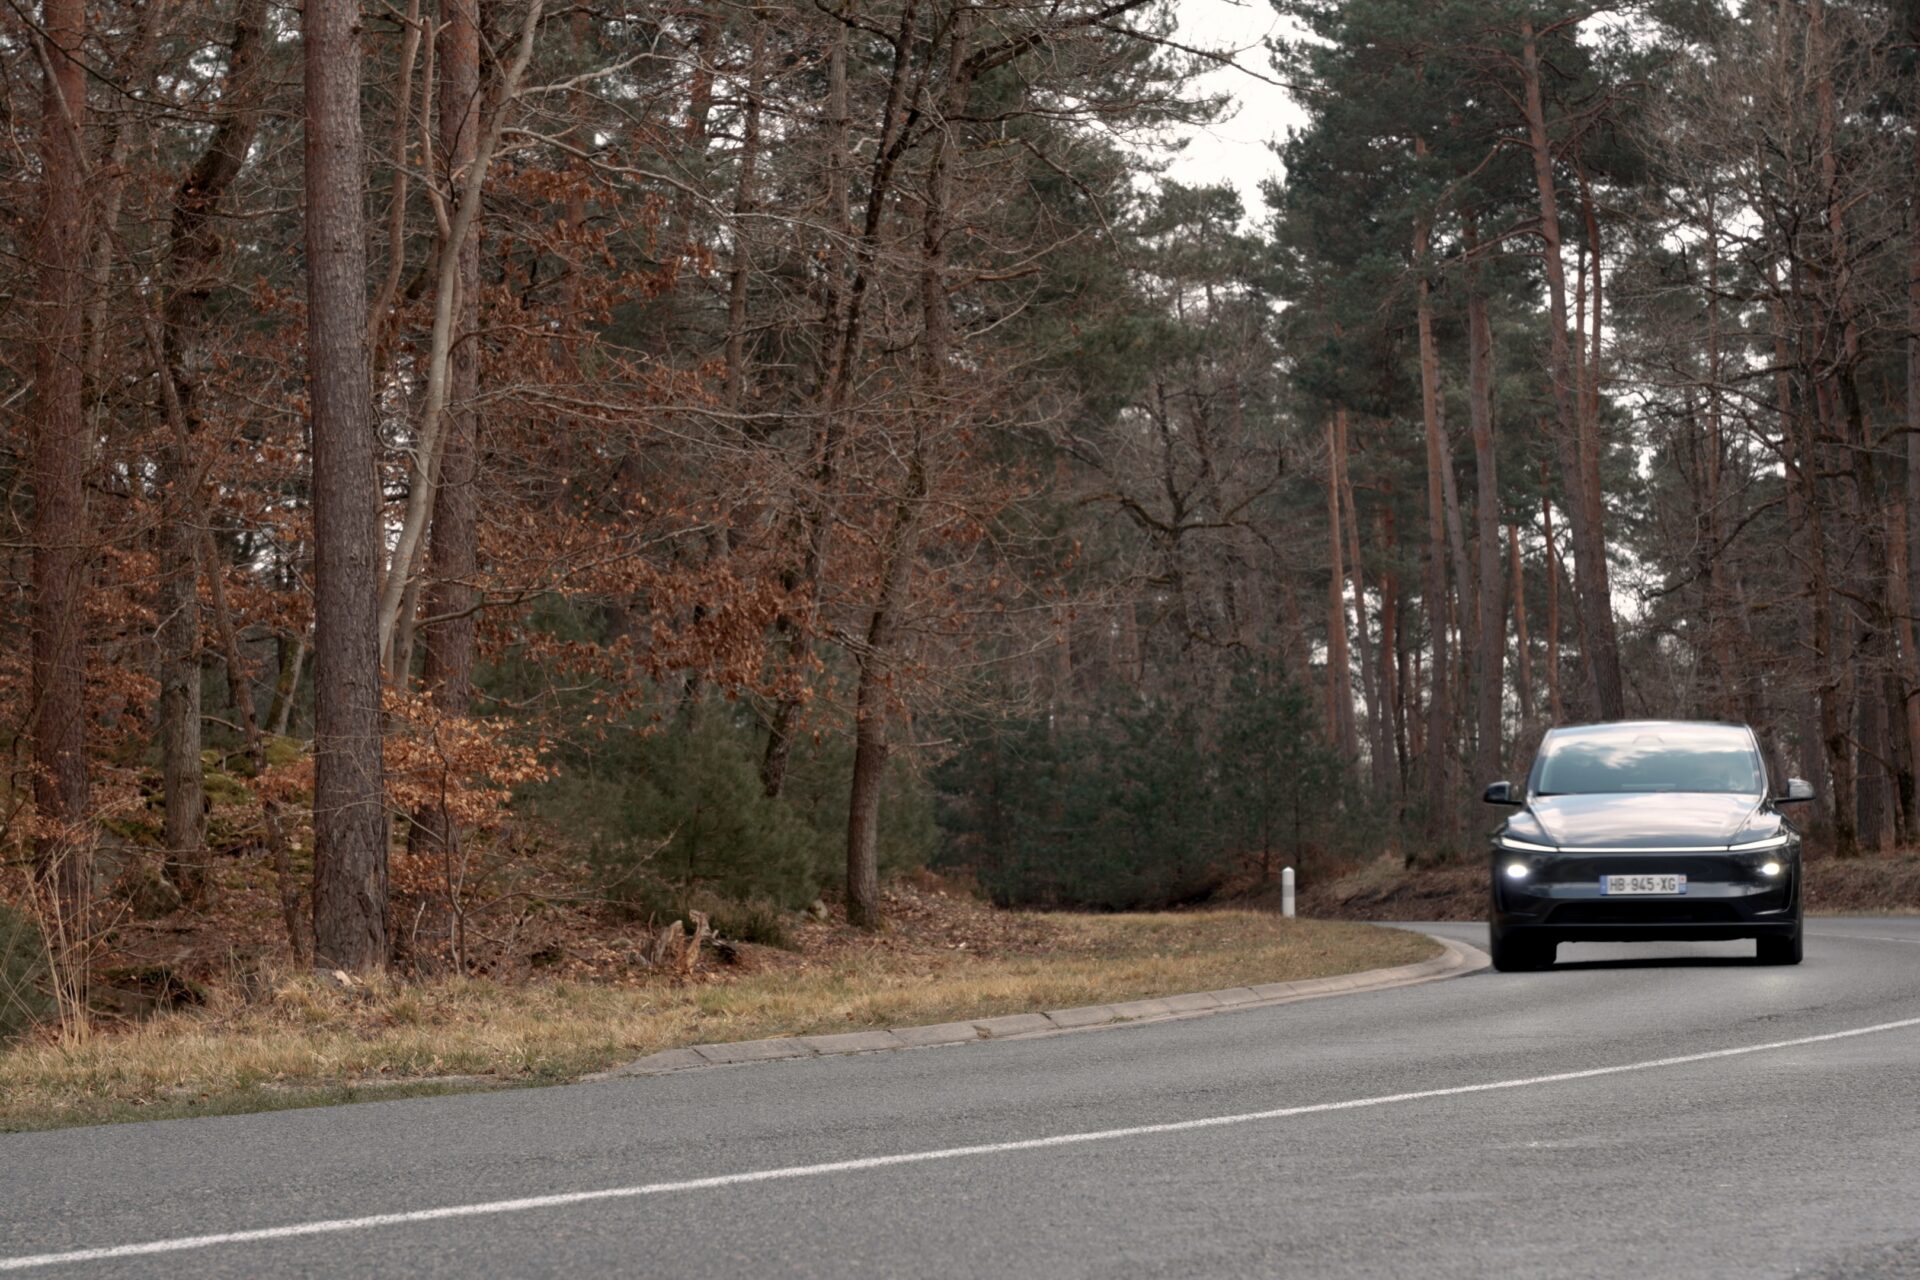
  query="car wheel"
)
[
  {"x": 1519, "y": 955},
  {"x": 1785, "y": 950}
]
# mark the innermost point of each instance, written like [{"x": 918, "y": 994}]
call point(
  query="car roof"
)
[
  {"x": 1641, "y": 726},
  {"x": 1610, "y": 728}
]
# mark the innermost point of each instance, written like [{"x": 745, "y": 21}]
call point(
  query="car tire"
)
[
  {"x": 1785, "y": 950},
  {"x": 1519, "y": 955}
]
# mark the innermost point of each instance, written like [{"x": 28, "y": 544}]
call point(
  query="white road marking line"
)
[{"x": 565, "y": 1199}]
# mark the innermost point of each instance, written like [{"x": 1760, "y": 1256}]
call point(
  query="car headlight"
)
[
  {"x": 1527, "y": 846},
  {"x": 1518, "y": 871},
  {"x": 1770, "y": 869},
  {"x": 1771, "y": 842}
]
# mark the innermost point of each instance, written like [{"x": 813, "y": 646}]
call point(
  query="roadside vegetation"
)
[{"x": 281, "y": 1038}]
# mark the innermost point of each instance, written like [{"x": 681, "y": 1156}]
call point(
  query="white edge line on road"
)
[{"x": 332, "y": 1225}]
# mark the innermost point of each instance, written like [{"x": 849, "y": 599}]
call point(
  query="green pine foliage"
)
[
  {"x": 23, "y": 972},
  {"x": 675, "y": 819},
  {"x": 1138, "y": 805}
]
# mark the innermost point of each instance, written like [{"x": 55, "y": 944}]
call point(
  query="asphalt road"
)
[{"x": 1738, "y": 1160}]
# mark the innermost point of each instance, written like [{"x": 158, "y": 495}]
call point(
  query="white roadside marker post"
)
[{"x": 1286, "y": 892}]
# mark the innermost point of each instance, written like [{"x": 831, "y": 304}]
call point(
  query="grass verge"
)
[{"x": 295, "y": 1042}]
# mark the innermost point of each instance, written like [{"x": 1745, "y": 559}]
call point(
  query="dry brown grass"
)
[{"x": 294, "y": 1040}]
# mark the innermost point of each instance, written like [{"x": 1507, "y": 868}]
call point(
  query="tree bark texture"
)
[
  {"x": 1522, "y": 640},
  {"x": 1340, "y": 728},
  {"x": 453, "y": 557},
  {"x": 1379, "y": 736},
  {"x": 1439, "y": 773},
  {"x": 1556, "y": 708},
  {"x": 349, "y": 818},
  {"x": 1491, "y": 629},
  {"x": 61, "y": 560},
  {"x": 193, "y": 248}
]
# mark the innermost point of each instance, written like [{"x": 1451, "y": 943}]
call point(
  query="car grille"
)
[
  {"x": 1574, "y": 868},
  {"x": 1650, "y": 910}
]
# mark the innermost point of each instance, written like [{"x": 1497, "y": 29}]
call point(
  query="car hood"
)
[{"x": 1643, "y": 819}]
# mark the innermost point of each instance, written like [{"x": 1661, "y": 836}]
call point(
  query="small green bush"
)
[
  {"x": 23, "y": 975},
  {"x": 670, "y": 814},
  {"x": 756, "y": 922}
]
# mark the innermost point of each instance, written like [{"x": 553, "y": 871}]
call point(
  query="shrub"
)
[
  {"x": 1142, "y": 803},
  {"x": 757, "y": 922},
  {"x": 669, "y": 812},
  {"x": 23, "y": 974}
]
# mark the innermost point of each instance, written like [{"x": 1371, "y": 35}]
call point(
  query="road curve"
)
[{"x": 1671, "y": 1109}]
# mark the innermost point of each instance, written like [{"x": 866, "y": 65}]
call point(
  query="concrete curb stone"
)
[
  {"x": 1192, "y": 1002},
  {"x": 854, "y": 1042},
  {"x": 1012, "y": 1024},
  {"x": 1091, "y": 1015},
  {"x": 939, "y": 1033},
  {"x": 1455, "y": 960},
  {"x": 754, "y": 1050},
  {"x": 1133, "y": 1010}
]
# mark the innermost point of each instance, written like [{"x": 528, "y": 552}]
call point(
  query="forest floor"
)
[
  {"x": 264, "y": 1037},
  {"x": 1385, "y": 889}
]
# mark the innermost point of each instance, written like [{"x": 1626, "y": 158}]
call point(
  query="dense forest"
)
[{"x": 753, "y": 447}]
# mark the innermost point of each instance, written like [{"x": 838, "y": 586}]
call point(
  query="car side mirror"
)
[
  {"x": 1500, "y": 793},
  {"x": 1799, "y": 791}
]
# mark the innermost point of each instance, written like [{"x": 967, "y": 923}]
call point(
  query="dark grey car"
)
[{"x": 1642, "y": 830}]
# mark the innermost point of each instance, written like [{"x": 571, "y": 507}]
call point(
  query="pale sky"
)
[{"x": 1235, "y": 149}]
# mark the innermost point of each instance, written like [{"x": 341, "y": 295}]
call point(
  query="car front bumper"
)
[{"x": 1727, "y": 896}]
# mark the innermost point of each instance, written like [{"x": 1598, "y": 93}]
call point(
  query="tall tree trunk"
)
[
  {"x": 1392, "y": 653},
  {"x": 1834, "y": 719},
  {"x": 1848, "y": 424},
  {"x": 1379, "y": 735},
  {"x": 63, "y": 853},
  {"x": 427, "y": 456},
  {"x": 286, "y": 683},
  {"x": 349, "y": 818},
  {"x": 1720, "y": 623},
  {"x": 182, "y": 776},
  {"x": 1462, "y": 588},
  {"x": 1899, "y": 577},
  {"x": 1523, "y": 643},
  {"x": 1439, "y": 779},
  {"x": 1910, "y": 515},
  {"x": 1578, "y": 437},
  {"x": 872, "y": 703},
  {"x": 453, "y": 558},
  {"x": 1340, "y": 730},
  {"x": 192, "y": 250},
  {"x": 845, "y": 339},
  {"x": 1797, "y": 448},
  {"x": 1556, "y": 708},
  {"x": 1491, "y": 630}
]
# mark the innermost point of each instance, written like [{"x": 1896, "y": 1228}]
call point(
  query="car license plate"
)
[{"x": 1642, "y": 886}]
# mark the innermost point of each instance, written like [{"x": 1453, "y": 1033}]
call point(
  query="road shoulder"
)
[{"x": 1456, "y": 959}]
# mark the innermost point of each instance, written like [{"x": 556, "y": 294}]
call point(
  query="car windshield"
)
[{"x": 1623, "y": 758}]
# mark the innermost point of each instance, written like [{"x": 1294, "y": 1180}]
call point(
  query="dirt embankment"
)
[{"x": 284, "y": 1037}]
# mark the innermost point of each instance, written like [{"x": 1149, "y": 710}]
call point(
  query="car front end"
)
[
  {"x": 1744, "y": 889},
  {"x": 1645, "y": 831}
]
